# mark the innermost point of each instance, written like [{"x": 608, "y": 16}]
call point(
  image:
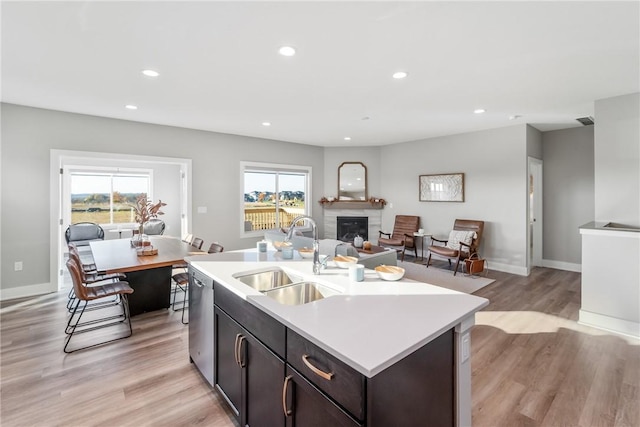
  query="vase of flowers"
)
[{"x": 144, "y": 211}]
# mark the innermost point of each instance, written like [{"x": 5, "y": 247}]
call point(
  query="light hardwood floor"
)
[{"x": 532, "y": 365}]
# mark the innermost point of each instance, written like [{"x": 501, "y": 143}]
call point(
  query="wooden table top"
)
[
  {"x": 118, "y": 256},
  {"x": 374, "y": 250}
]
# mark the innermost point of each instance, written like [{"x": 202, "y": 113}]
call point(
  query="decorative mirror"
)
[{"x": 352, "y": 181}]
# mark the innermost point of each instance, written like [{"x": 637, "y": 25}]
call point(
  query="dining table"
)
[{"x": 148, "y": 275}]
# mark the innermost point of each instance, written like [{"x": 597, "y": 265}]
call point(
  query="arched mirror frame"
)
[{"x": 366, "y": 191}]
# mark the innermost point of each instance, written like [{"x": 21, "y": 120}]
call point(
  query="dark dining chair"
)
[
  {"x": 82, "y": 233},
  {"x": 154, "y": 227},
  {"x": 90, "y": 276},
  {"x": 181, "y": 280},
  {"x": 84, "y": 295},
  {"x": 215, "y": 248}
]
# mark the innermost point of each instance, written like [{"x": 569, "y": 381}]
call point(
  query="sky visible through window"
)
[
  {"x": 101, "y": 184},
  {"x": 257, "y": 181}
]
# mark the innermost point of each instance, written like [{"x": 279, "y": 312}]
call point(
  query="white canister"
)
[
  {"x": 262, "y": 246},
  {"x": 356, "y": 272}
]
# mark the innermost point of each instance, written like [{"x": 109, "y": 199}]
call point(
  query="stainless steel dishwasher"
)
[{"x": 201, "y": 322}]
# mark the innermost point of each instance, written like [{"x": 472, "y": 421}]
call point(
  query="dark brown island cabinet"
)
[{"x": 272, "y": 376}]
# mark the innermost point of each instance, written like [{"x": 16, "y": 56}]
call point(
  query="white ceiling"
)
[{"x": 220, "y": 70}]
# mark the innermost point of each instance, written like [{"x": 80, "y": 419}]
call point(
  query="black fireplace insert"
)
[{"x": 351, "y": 226}]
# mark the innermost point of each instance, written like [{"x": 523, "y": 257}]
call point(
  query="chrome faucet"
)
[{"x": 317, "y": 265}]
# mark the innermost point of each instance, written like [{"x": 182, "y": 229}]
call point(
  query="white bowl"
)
[
  {"x": 390, "y": 272},
  {"x": 306, "y": 252},
  {"x": 279, "y": 245},
  {"x": 344, "y": 261}
]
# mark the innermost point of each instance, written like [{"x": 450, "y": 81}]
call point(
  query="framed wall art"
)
[{"x": 442, "y": 188}]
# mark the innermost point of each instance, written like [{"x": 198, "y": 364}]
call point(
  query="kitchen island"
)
[{"x": 372, "y": 353}]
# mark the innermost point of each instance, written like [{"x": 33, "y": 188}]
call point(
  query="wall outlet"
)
[
  {"x": 17, "y": 266},
  {"x": 202, "y": 209}
]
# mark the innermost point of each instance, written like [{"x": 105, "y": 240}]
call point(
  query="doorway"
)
[
  {"x": 171, "y": 178},
  {"x": 534, "y": 212}
]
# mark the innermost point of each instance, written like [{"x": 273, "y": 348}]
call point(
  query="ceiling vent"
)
[{"x": 586, "y": 121}]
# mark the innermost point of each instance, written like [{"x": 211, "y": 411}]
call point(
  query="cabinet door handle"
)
[
  {"x": 240, "y": 358},
  {"x": 326, "y": 375},
  {"x": 236, "y": 353},
  {"x": 287, "y": 412}
]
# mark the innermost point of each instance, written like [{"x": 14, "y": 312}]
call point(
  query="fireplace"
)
[{"x": 348, "y": 227}]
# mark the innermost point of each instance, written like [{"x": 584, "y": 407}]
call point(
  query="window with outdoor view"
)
[
  {"x": 274, "y": 195},
  {"x": 106, "y": 198}
]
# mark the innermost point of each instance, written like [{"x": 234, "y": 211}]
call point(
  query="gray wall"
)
[
  {"x": 28, "y": 135},
  {"x": 534, "y": 142},
  {"x": 494, "y": 163},
  {"x": 617, "y": 160},
  {"x": 334, "y": 156},
  {"x": 568, "y": 189},
  {"x": 495, "y": 166}
]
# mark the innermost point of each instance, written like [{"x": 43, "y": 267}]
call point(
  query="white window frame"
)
[
  {"x": 246, "y": 166},
  {"x": 97, "y": 170}
]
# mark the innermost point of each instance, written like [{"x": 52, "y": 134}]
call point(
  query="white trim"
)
[
  {"x": 561, "y": 265},
  {"x": 610, "y": 324},
  {"x": 25, "y": 291},
  {"x": 506, "y": 268},
  {"x": 308, "y": 170},
  {"x": 60, "y": 158},
  {"x": 534, "y": 233}
]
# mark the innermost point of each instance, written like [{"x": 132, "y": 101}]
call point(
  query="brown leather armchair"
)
[
  {"x": 402, "y": 236},
  {"x": 458, "y": 249}
]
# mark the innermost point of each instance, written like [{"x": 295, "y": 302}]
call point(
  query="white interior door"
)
[{"x": 535, "y": 211}]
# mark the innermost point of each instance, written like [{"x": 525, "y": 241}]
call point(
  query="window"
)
[
  {"x": 106, "y": 198},
  {"x": 273, "y": 195}
]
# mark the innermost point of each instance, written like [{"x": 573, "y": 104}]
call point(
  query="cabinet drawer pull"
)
[
  {"x": 240, "y": 358},
  {"x": 287, "y": 412},
  {"x": 326, "y": 375},
  {"x": 236, "y": 353}
]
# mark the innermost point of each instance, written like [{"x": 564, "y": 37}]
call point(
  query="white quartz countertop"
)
[{"x": 369, "y": 325}]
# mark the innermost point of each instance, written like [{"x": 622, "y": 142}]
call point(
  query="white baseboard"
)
[
  {"x": 524, "y": 271},
  {"x": 507, "y": 268},
  {"x": 561, "y": 265},
  {"x": 610, "y": 324},
  {"x": 26, "y": 291}
]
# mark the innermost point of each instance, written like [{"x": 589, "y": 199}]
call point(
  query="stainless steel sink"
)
[
  {"x": 300, "y": 293},
  {"x": 264, "y": 280}
]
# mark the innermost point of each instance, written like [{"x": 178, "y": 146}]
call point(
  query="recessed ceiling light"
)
[
  {"x": 131, "y": 107},
  {"x": 150, "y": 73},
  {"x": 479, "y": 111},
  {"x": 399, "y": 75},
  {"x": 266, "y": 123},
  {"x": 514, "y": 117},
  {"x": 347, "y": 138},
  {"x": 287, "y": 51}
]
